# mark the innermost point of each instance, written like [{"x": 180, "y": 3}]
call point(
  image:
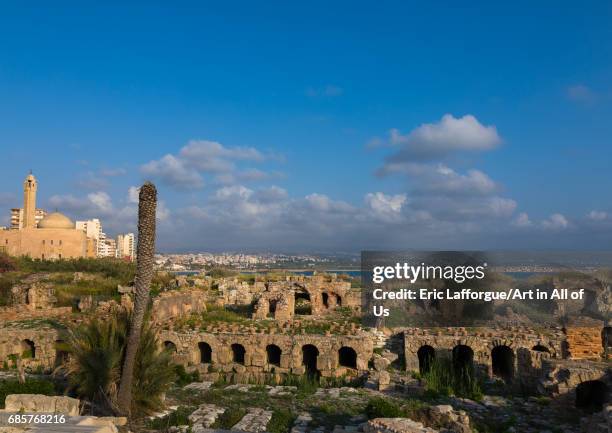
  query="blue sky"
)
[{"x": 285, "y": 115}]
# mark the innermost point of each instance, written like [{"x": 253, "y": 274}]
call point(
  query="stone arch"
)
[
  {"x": 28, "y": 349},
  {"x": 272, "y": 307},
  {"x": 426, "y": 355},
  {"x": 325, "y": 299},
  {"x": 606, "y": 339},
  {"x": 238, "y": 352},
  {"x": 310, "y": 354},
  {"x": 61, "y": 353},
  {"x": 339, "y": 300},
  {"x": 592, "y": 395},
  {"x": 273, "y": 353},
  {"x": 347, "y": 357},
  {"x": 540, "y": 348},
  {"x": 502, "y": 362},
  {"x": 170, "y": 346},
  {"x": 463, "y": 357},
  {"x": 303, "y": 302},
  {"x": 205, "y": 352}
]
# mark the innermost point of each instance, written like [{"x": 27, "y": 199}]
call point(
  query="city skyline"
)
[{"x": 396, "y": 128}]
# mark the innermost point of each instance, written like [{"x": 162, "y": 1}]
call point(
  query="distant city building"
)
[
  {"x": 52, "y": 237},
  {"x": 93, "y": 230},
  {"x": 125, "y": 246},
  {"x": 107, "y": 247},
  {"x": 17, "y": 217}
]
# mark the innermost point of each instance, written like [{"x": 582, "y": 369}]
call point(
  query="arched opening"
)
[
  {"x": 502, "y": 358},
  {"x": 310, "y": 354},
  {"x": 272, "y": 307},
  {"x": 591, "y": 396},
  {"x": 463, "y": 358},
  {"x": 325, "y": 298},
  {"x": 274, "y": 354},
  {"x": 606, "y": 339},
  {"x": 170, "y": 346},
  {"x": 205, "y": 353},
  {"x": 302, "y": 304},
  {"x": 540, "y": 348},
  {"x": 238, "y": 352},
  {"x": 61, "y": 352},
  {"x": 347, "y": 357},
  {"x": 339, "y": 300},
  {"x": 426, "y": 356},
  {"x": 28, "y": 349}
]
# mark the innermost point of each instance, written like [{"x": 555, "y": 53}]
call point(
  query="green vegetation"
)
[
  {"x": 111, "y": 268},
  {"x": 383, "y": 408},
  {"x": 444, "y": 379},
  {"x": 229, "y": 418},
  {"x": 183, "y": 378},
  {"x": 281, "y": 422},
  {"x": 98, "y": 348},
  {"x": 176, "y": 418},
  {"x": 31, "y": 386}
]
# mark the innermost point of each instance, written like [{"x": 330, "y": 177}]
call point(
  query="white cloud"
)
[
  {"x": 173, "y": 171},
  {"x": 199, "y": 157},
  {"x": 133, "y": 193},
  {"x": 386, "y": 207},
  {"x": 595, "y": 215},
  {"x": 432, "y": 141},
  {"x": 555, "y": 222},
  {"x": 522, "y": 220}
]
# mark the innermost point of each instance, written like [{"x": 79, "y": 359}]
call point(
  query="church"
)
[{"x": 54, "y": 237}]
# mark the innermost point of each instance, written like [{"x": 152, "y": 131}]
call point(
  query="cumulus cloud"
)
[
  {"x": 386, "y": 207},
  {"x": 555, "y": 222},
  {"x": 596, "y": 215},
  {"x": 436, "y": 141},
  {"x": 522, "y": 220},
  {"x": 173, "y": 171},
  {"x": 186, "y": 169}
]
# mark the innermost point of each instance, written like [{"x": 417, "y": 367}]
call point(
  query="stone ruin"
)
[
  {"x": 316, "y": 296},
  {"x": 33, "y": 293},
  {"x": 252, "y": 356},
  {"x": 176, "y": 303}
]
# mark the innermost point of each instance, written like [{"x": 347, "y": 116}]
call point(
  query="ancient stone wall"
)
[
  {"x": 505, "y": 353},
  {"x": 584, "y": 342},
  {"x": 270, "y": 353},
  {"x": 177, "y": 303},
  {"x": 36, "y": 347}
]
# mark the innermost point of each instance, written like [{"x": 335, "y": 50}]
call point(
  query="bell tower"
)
[{"x": 29, "y": 201}]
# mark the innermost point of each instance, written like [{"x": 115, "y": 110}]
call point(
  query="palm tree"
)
[
  {"x": 94, "y": 367},
  {"x": 147, "y": 204}
]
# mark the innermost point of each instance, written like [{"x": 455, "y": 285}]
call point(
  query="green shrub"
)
[
  {"x": 183, "y": 378},
  {"x": 443, "y": 378},
  {"x": 229, "y": 418},
  {"x": 383, "y": 408},
  {"x": 31, "y": 386},
  {"x": 281, "y": 421}
]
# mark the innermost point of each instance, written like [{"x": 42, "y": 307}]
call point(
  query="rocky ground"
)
[{"x": 258, "y": 408}]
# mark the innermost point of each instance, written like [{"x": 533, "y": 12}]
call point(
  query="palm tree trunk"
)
[{"x": 147, "y": 204}]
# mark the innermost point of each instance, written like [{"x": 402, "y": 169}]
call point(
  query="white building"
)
[
  {"x": 125, "y": 246},
  {"x": 93, "y": 230},
  {"x": 17, "y": 217},
  {"x": 107, "y": 247}
]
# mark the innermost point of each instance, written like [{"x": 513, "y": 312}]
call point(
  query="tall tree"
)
[{"x": 147, "y": 204}]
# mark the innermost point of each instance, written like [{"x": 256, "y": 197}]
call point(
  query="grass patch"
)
[
  {"x": 31, "y": 386},
  {"x": 229, "y": 418},
  {"x": 281, "y": 422},
  {"x": 179, "y": 417}
]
